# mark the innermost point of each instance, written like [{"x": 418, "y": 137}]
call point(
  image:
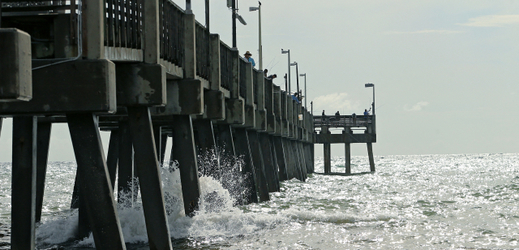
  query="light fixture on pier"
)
[
  {"x": 235, "y": 15},
  {"x": 287, "y": 52},
  {"x": 297, "y": 73},
  {"x": 371, "y": 85},
  {"x": 304, "y": 74},
  {"x": 260, "y": 51}
]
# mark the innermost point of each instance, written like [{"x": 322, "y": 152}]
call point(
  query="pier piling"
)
[
  {"x": 23, "y": 200},
  {"x": 95, "y": 189},
  {"x": 43, "y": 141},
  {"x": 183, "y": 151},
  {"x": 147, "y": 167}
]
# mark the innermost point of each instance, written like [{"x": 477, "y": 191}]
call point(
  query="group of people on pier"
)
[{"x": 337, "y": 116}]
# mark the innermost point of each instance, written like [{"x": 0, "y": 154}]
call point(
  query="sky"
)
[{"x": 445, "y": 72}]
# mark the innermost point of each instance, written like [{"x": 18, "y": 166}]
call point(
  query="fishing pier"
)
[
  {"x": 355, "y": 129},
  {"x": 146, "y": 71}
]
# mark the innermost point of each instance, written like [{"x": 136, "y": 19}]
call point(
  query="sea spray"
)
[
  {"x": 222, "y": 186},
  {"x": 226, "y": 169}
]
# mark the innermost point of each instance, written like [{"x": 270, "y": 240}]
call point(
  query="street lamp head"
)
[
  {"x": 242, "y": 21},
  {"x": 285, "y": 51},
  {"x": 302, "y": 74},
  {"x": 368, "y": 85},
  {"x": 253, "y": 8},
  {"x": 293, "y": 64}
]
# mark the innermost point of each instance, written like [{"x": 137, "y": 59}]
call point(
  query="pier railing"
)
[
  {"x": 226, "y": 63},
  {"x": 343, "y": 121},
  {"x": 171, "y": 35},
  {"x": 202, "y": 52},
  {"x": 123, "y": 29}
]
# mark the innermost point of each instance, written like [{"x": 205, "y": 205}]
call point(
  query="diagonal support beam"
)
[
  {"x": 95, "y": 189},
  {"x": 147, "y": 168},
  {"x": 43, "y": 140}
]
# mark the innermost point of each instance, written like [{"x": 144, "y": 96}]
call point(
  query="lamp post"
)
[
  {"x": 297, "y": 73},
  {"x": 287, "y": 52},
  {"x": 234, "y": 17},
  {"x": 260, "y": 51},
  {"x": 371, "y": 85},
  {"x": 305, "y": 88}
]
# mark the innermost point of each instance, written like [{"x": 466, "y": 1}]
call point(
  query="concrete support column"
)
[
  {"x": 214, "y": 48},
  {"x": 275, "y": 160},
  {"x": 243, "y": 150},
  {"x": 297, "y": 157},
  {"x": 259, "y": 169},
  {"x": 280, "y": 156},
  {"x": 152, "y": 35},
  {"x": 183, "y": 150},
  {"x": 125, "y": 170},
  {"x": 327, "y": 158},
  {"x": 23, "y": 199},
  {"x": 204, "y": 135},
  {"x": 347, "y": 153},
  {"x": 205, "y": 142},
  {"x": 157, "y": 134},
  {"x": 93, "y": 29},
  {"x": 303, "y": 160},
  {"x": 224, "y": 139},
  {"x": 269, "y": 164},
  {"x": 189, "y": 46},
  {"x": 312, "y": 154},
  {"x": 43, "y": 141},
  {"x": 289, "y": 158},
  {"x": 150, "y": 182},
  {"x": 309, "y": 161},
  {"x": 113, "y": 155},
  {"x": 95, "y": 190},
  {"x": 370, "y": 156}
]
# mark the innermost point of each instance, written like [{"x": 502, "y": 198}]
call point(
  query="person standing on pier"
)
[
  {"x": 366, "y": 112},
  {"x": 295, "y": 97},
  {"x": 248, "y": 58}
]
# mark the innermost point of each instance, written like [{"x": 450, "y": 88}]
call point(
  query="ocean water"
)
[{"x": 410, "y": 202}]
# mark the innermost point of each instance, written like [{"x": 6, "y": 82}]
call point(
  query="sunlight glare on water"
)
[{"x": 410, "y": 202}]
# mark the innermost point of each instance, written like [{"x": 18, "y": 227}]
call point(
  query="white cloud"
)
[
  {"x": 417, "y": 107},
  {"x": 443, "y": 32},
  {"x": 335, "y": 102},
  {"x": 492, "y": 21}
]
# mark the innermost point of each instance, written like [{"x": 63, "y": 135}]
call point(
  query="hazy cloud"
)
[
  {"x": 442, "y": 32},
  {"x": 334, "y": 102},
  {"x": 417, "y": 107},
  {"x": 492, "y": 21}
]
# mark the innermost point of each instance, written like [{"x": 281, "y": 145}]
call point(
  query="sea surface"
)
[{"x": 466, "y": 201}]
